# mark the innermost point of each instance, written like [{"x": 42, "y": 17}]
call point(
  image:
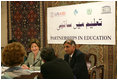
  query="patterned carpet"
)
[{"x": 25, "y": 21}]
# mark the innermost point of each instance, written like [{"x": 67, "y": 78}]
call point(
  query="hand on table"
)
[{"x": 25, "y": 67}]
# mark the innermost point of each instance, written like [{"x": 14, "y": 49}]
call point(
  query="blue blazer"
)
[{"x": 78, "y": 64}]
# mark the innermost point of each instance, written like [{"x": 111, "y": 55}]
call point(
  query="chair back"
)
[
  {"x": 97, "y": 72},
  {"x": 89, "y": 62}
]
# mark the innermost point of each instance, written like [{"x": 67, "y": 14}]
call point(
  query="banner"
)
[{"x": 89, "y": 23}]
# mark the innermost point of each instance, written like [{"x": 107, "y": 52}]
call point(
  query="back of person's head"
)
[
  {"x": 47, "y": 54},
  {"x": 36, "y": 41},
  {"x": 13, "y": 54},
  {"x": 71, "y": 42}
]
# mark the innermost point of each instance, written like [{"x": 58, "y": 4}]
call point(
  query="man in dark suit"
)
[
  {"x": 53, "y": 67},
  {"x": 76, "y": 60}
]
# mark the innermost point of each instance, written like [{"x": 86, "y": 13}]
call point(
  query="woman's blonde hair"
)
[{"x": 13, "y": 54}]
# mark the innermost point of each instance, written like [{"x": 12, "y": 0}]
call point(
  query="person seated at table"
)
[
  {"x": 34, "y": 60},
  {"x": 12, "y": 57},
  {"x": 53, "y": 67}
]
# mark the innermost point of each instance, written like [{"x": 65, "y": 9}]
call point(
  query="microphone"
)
[{"x": 36, "y": 62}]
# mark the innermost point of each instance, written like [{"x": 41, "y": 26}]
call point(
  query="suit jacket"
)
[
  {"x": 35, "y": 63},
  {"x": 78, "y": 64},
  {"x": 56, "y": 69}
]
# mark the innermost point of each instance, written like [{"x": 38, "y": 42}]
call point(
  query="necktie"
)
[{"x": 70, "y": 58}]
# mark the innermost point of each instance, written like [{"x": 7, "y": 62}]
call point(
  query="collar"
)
[{"x": 71, "y": 55}]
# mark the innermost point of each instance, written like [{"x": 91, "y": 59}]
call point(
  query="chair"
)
[
  {"x": 88, "y": 62},
  {"x": 97, "y": 72}
]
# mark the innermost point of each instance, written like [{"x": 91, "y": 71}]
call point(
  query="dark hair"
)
[
  {"x": 34, "y": 41},
  {"x": 13, "y": 54},
  {"x": 47, "y": 54},
  {"x": 71, "y": 42},
  {"x": 11, "y": 41}
]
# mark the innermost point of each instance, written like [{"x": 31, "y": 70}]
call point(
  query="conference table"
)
[{"x": 33, "y": 75}]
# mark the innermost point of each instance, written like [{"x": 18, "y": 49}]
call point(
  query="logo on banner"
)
[
  {"x": 106, "y": 9},
  {"x": 57, "y": 14}
]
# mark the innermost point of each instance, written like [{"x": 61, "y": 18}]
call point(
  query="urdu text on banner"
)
[{"x": 89, "y": 23}]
